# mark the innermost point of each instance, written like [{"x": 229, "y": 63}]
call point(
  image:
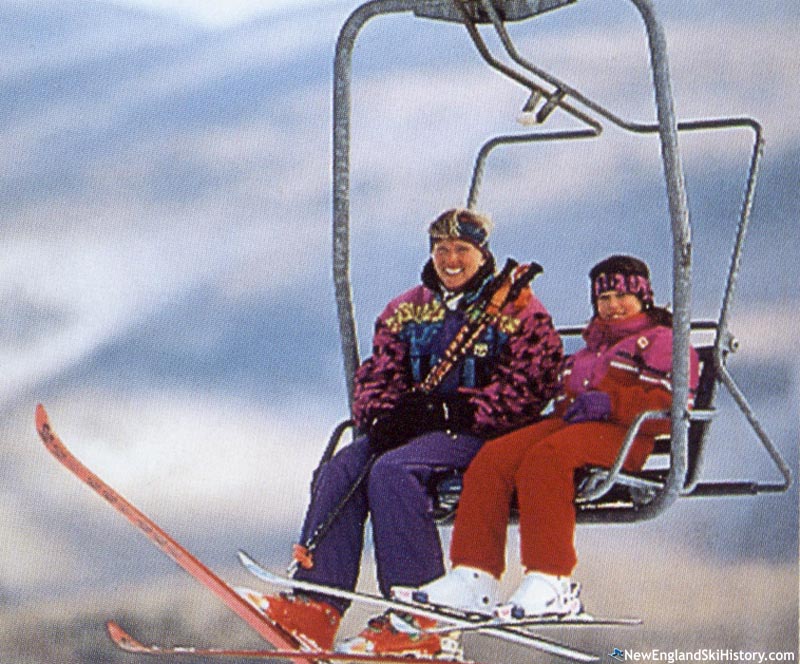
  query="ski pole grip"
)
[{"x": 302, "y": 556}]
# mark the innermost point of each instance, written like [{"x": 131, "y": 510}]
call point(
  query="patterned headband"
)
[
  {"x": 635, "y": 284},
  {"x": 460, "y": 224}
]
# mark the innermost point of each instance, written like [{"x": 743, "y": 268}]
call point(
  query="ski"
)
[
  {"x": 457, "y": 620},
  {"x": 485, "y": 620},
  {"x": 270, "y": 632},
  {"x": 126, "y": 642},
  {"x": 580, "y": 620}
]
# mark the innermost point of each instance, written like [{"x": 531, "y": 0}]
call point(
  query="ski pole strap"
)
[
  {"x": 505, "y": 288},
  {"x": 330, "y": 449}
]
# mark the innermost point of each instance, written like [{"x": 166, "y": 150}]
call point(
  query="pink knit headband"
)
[{"x": 636, "y": 284}]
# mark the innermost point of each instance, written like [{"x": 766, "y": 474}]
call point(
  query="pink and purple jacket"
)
[
  {"x": 631, "y": 361},
  {"x": 510, "y": 374}
]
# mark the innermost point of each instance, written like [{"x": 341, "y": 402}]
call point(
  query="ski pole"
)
[{"x": 303, "y": 553}]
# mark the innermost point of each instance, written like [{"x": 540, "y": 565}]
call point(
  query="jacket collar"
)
[
  {"x": 601, "y": 334},
  {"x": 471, "y": 290}
]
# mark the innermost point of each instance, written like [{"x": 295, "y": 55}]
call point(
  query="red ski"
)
[
  {"x": 270, "y": 632},
  {"x": 129, "y": 644}
]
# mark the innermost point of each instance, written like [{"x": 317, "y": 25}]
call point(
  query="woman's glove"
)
[
  {"x": 417, "y": 413},
  {"x": 591, "y": 406},
  {"x": 396, "y": 426}
]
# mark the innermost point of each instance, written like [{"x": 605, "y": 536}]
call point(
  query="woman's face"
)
[
  {"x": 456, "y": 262},
  {"x": 613, "y": 305}
]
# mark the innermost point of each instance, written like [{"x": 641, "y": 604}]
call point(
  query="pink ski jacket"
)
[{"x": 631, "y": 361}]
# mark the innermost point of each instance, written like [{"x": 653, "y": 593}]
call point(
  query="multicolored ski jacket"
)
[
  {"x": 631, "y": 361},
  {"x": 510, "y": 374}
]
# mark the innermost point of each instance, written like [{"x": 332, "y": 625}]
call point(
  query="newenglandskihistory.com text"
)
[{"x": 703, "y": 655}]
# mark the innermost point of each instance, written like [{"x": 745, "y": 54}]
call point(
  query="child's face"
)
[{"x": 613, "y": 305}]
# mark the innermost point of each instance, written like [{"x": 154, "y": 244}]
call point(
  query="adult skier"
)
[{"x": 425, "y": 401}]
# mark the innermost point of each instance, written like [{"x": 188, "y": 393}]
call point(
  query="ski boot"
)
[
  {"x": 313, "y": 623},
  {"x": 465, "y": 588},
  {"x": 401, "y": 634},
  {"x": 542, "y": 595}
]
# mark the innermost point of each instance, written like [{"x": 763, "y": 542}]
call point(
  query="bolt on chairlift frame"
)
[{"x": 547, "y": 95}]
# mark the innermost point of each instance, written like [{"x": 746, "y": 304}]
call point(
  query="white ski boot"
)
[
  {"x": 542, "y": 595},
  {"x": 464, "y": 588}
]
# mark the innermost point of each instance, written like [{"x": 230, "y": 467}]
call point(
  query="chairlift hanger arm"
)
[
  {"x": 560, "y": 86},
  {"x": 567, "y": 90},
  {"x": 681, "y": 261},
  {"x": 342, "y": 94},
  {"x": 554, "y": 98}
]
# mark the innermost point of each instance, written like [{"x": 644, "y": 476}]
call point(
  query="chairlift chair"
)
[{"x": 605, "y": 495}]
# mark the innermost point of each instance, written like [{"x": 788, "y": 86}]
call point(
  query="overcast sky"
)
[{"x": 230, "y": 12}]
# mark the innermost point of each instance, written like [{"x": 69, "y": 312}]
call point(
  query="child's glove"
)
[{"x": 591, "y": 406}]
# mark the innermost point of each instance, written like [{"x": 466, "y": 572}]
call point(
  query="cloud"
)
[
  {"x": 215, "y": 14},
  {"x": 61, "y": 313},
  {"x": 82, "y": 268},
  {"x": 137, "y": 92},
  {"x": 144, "y": 213},
  {"x": 62, "y": 42},
  {"x": 76, "y": 290}
]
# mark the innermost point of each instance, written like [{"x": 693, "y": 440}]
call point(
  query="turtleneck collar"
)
[
  {"x": 466, "y": 295},
  {"x": 600, "y": 333}
]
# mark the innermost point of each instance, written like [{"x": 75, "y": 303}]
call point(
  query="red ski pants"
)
[{"x": 538, "y": 462}]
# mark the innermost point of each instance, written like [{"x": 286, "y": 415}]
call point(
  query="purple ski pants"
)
[{"x": 394, "y": 495}]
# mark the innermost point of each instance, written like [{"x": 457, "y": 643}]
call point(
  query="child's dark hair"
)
[{"x": 620, "y": 264}]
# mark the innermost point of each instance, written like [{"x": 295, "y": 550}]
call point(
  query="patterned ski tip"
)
[
  {"x": 123, "y": 640},
  {"x": 42, "y": 421}
]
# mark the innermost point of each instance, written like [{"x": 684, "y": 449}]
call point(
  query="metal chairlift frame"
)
[{"x": 645, "y": 497}]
